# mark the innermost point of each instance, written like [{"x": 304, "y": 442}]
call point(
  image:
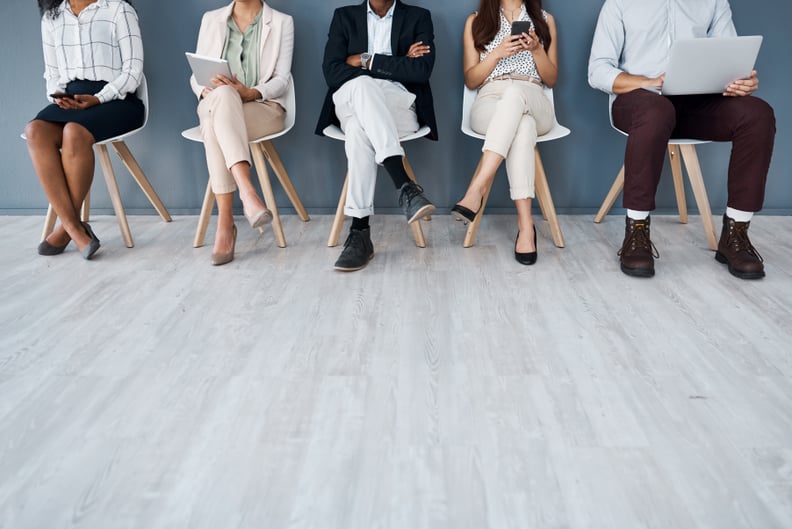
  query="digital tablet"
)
[
  {"x": 708, "y": 65},
  {"x": 204, "y": 68}
]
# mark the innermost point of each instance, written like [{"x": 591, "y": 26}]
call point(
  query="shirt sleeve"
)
[
  {"x": 51, "y": 71},
  {"x": 277, "y": 85},
  {"x": 607, "y": 47},
  {"x": 130, "y": 45},
  {"x": 722, "y": 24}
]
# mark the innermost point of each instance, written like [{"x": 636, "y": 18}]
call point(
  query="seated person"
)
[
  {"x": 378, "y": 94},
  {"x": 511, "y": 108},
  {"x": 258, "y": 42},
  {"x": 628, "y": 54},
  {"x": 91, "y": 84}
]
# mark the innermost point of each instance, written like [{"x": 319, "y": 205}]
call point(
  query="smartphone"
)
[
  {"x": 61, "y": 95},
  {"x": 521, "y": 26}
]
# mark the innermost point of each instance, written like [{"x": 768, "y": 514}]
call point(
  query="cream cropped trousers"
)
[
  {"x": 512, "y": 113},
  {"x": 227, "y": 125}
]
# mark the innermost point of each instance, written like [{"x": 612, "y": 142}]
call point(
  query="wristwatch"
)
[{"x": 364, "y": 60}]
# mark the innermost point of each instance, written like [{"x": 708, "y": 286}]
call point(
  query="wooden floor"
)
[{"x": 438, "y": 388}]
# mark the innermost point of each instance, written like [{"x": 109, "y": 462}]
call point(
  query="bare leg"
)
[
  {"x": 247, "y": 192},
  {"x": 78, "y": 164},
  {"x": 481, "y": 181},
  {"x": 44, "y": 143},
  {"x": 224, "y": 236},
  {"x": 525, "y": 241}
]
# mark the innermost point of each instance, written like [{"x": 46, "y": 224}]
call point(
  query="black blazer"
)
[{"x": 349, "y": 36}]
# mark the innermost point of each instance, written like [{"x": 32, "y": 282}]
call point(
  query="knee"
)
[
  {"x": 38, "y": 132},
  {"x": 658, "y": 113},
  {"x": 757, "y": 115},
  {"x": 226, "y": 93},
  {"x": 76, "y": 139},
  {"x": 362, "y": 83}
]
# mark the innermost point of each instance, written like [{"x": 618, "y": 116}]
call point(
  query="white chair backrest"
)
[
  {"x": 469, "y": 97},
  {"x": 290, "y": 104},
  {"x": 142, "y": 94}
]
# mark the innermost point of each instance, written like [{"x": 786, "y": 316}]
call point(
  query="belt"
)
[{"x": 515, "y": 77}]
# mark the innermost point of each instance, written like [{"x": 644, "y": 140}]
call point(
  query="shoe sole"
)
[
  {"x": 736, "y": 273},
  {"x": 637, "y": 272},
  {"x": 342, "y": 269},
  {"x": 424, "y": 211}
]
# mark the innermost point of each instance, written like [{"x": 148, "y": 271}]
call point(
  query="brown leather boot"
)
[
  {"x": 637, "y": 252},
  {"x": 735, "y": 249}
]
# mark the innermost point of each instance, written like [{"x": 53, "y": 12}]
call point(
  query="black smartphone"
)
[
  {"x": 61, "y": 95},
  {"x": 521, "y": 26}
]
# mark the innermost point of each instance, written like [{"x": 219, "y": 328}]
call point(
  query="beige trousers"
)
[
  {"x": 227, "y": 125},
  {"x": 512, "y": 114}
]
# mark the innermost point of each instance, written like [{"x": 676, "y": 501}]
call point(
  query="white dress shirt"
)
[
  {"x": 103, "y": 43},
  {"x": 634, "y": 36},
  {"x": 379, "y": 35}
]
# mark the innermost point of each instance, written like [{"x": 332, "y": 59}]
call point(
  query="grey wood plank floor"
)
[{"x": 438, "y": 388}]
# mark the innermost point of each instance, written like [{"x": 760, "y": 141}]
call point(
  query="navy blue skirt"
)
[{"x": 104, "y": 121}]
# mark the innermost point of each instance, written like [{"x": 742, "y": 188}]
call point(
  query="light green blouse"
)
[{"x": 242, "y": 51}]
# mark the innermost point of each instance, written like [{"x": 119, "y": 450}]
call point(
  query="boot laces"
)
[
  {"x": 638, "y": 239},
  {"x": 740, "y": 241}
]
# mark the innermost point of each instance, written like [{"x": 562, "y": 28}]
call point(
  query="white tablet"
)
[
  {"x": 204, "y": 68},
  {"x": 708, "y": 65}
]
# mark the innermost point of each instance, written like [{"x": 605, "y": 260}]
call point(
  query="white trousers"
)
[
  {"x": 374, "y": 114},
  {"x": 227, "y": 125},
  {"x": 512, "y": 113}
]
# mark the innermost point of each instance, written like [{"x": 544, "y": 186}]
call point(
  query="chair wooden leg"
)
[
  {"x": 679, "y": 182},
  {"x": 269, "y": 196},
  {"x": 546, "y": 201},
  {"x": 86, "y": 207},
  {"x": 49, "y": 223},
  {"x": 115, "y": 195},
  {"x": 338, "y": 220},
  {"x": 410, "y": 173},
  {"x": 137, "y": 173},
  {"x": 472, "y": 229},
  {"x": 283, "y": 177},
  {"x": 418, "y": 234},
  {"x": 613, "y": 194},
  {"x": 700, "y": 192},
  {"x": 206, "y": 214}
]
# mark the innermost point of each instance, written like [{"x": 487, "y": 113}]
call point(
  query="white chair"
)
[
  {"x": 334, "y": 132},
  {"x": 263, "y": 151},
  {"x": 542, "y": 188},
  {"x": 676, "y": 147},
  {"x": 123, "y": 152}
]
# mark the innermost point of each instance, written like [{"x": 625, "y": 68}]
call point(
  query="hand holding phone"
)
[
  {"x": 61, "y": 95},
  {"x": 519, "y": 27}
]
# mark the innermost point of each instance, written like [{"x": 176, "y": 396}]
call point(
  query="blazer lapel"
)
[
  {"x": 266, "y": 26},
  {"x": 361, "y": 33}
]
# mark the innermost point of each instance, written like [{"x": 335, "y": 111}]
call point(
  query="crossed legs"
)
[{"x": 63, "y": 159}]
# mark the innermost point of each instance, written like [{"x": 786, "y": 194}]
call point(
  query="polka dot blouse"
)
[{"x": 519, "y": 64}]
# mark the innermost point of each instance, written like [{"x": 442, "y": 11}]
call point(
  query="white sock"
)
[
  {"x": 637, "y": 215},
  {"x": 739, "y": 216}
]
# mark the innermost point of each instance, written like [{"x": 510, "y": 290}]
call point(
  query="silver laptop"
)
[{"x": 707, "y": 65}]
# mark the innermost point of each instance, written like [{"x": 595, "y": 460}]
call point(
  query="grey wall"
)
[{"x": 580, "y": 167}]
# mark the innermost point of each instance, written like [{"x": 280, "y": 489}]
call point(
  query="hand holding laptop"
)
[{"x": 743, "y": 87}]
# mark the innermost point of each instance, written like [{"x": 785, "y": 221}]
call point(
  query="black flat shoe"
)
[
  {"x": 464, "y": 214},
  {"x": 525, "y": 258},
  {"x": 45, "y": 248},
  {"x": 89, "y": 251}
]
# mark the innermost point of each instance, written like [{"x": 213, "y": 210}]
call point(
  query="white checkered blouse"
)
[{"x": 102, "y": 44}]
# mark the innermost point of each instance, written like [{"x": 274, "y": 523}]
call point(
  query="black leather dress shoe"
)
[
  {"x": 528, "y": 258},
  {"x": 358, "y": 251}
]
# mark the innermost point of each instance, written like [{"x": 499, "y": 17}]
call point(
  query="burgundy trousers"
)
[{"x": 651, "y": 120}]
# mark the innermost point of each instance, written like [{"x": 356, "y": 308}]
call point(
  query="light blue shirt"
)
[
  {"x": 634, "y": 36},
  {"x": 379, "y": 31}
]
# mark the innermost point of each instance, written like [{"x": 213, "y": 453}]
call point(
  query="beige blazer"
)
[{"x": 277, "y": 48}]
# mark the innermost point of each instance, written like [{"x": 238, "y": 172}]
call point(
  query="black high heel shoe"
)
[
  {"x": 526, "y": 258},
  {"x": 89, "y": 251},
  {"x": 464, "y": 214}
]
